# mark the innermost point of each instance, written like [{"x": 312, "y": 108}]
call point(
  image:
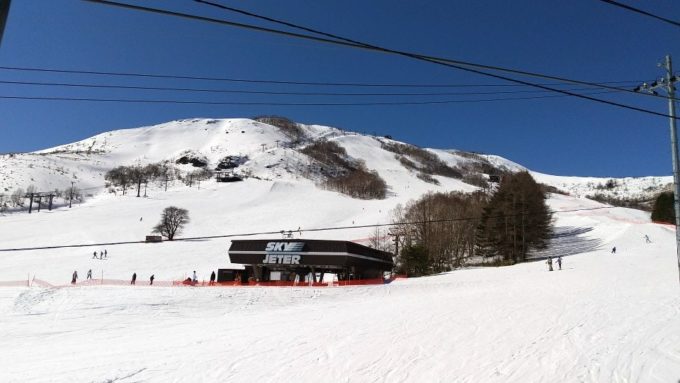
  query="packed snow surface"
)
[{"x": 603, "y": 318}]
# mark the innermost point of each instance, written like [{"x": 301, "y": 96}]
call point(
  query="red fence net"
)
[{"x": 187, "y": 283}]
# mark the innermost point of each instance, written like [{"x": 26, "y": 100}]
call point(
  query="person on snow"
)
[
  {"x": 212, "y": 278},
  {"x": 194, "y": 278},
  {"x": 74, "y": 277},
  {"x": 95, "y": 255},
  {"x": 647, "y": 239},
  {"x": 559, "y": 262},
  {"x": 105, "y": 252},
  {"x": 89, "y": 274},
  {"x": 134, "y": 278},
  {"x": 151, "y": 278},
  {"x": 549, "y": 262},
  {"x": 614, "y": 250}
]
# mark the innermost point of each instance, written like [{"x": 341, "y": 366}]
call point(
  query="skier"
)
[
  {"x": 105, "y": 253},
  {"x": 134, "y": 278},
  {"x": 212, "y": 278},
  {"x": 559, "y": 262},
  {"x": 95, "y": 255},
  {"x": 614, "y": 250},
  {"x": 194, "y": 278},
  {"x": 151, "y": 279},
  {"x": 549, "y": 262},
  {"x": 89, "y": 274},
  {"x": 101, "y": 255},
  {"x": 647, "y": 239},
  {"x": 74, "y": 277}
]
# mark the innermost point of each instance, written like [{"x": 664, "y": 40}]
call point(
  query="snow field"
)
[{"x": 604, "y": 317}]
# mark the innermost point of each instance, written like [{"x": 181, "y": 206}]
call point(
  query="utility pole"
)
[
  {"x": 30, "y": 203},
  {"x": 50, "y": 196},
  {"x": 667, "y": 83},
  {"x": 4, "y": 11},
  {"x": 70, "y": 198}
]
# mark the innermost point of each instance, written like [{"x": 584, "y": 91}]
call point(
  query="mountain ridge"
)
[{"x": 273, "y": 153}]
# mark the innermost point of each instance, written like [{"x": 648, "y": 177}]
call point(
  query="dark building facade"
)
[{"x": 288, "y": 260}]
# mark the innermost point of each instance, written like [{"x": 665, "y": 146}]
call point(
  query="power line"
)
[
  {"x": 255, "y": 103},
  {"x": 640, "y": 11},
  {"x": 440, "y": 61},
  {"x": 280, "y": 231},
  {"x": 241, "y": 91},
  {"x": 457, "y": 64},
  {"x": 359, "y": 44},
  {"x": 446, "y": 62},
  {"x": 281, "y": 82}
]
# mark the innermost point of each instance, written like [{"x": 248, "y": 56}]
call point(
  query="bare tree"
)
[
  {"x": 17, "y": 197},
  {"x": 380, "y": 240},
  {"x": 119, "y": 176},
  {"x": 172, "y": 221}
]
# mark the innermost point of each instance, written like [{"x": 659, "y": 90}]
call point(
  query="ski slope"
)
[{"x": 603, "y": 318}]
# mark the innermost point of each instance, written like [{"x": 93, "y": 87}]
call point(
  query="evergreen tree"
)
[
  {"x": 415, "y": 261},
  {"x": 515, "y": 220},
  {"x": 664, "y": 210}
]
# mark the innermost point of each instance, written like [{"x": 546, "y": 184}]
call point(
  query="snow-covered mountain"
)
[{"x": 273, "y": 153}]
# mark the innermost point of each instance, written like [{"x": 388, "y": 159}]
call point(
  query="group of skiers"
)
[
  {"x": 102, "y": 254},
  {"x": 550, "y": 263},
  {"x": 645, "y": 237},
  {"x": 192, "y": 280}
]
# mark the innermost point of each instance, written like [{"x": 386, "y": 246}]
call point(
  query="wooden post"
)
[
  {"x": 39, "y": 201},
  {"x": 30, "y": 203},
  {"x": 49, "y": 207},
  {"x": 70, "y": 198}
]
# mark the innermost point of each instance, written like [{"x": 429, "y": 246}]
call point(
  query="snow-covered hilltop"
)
[{"x": 276, "y": 153}]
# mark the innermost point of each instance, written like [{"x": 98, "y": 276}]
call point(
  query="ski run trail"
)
[{"x": 603, "y": 318}]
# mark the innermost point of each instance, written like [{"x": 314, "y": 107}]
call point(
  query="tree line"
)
[
  {"x": 448, "y": 230},
  {"x": 134, "y": 176}
]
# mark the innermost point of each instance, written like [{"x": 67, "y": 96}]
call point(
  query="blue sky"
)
[{"x": 581, "y": 39}]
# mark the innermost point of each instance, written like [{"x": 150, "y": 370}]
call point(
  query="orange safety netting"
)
[{"x": 146, "y": 283}]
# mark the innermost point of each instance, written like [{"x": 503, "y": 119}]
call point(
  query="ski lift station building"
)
[{"x": 267, "y": 260}]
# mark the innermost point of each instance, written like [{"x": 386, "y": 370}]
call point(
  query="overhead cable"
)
[
  {"x": 278, "y": 82},
  {"x": 276, "y": 232},
  {"x": 457, "y": 64},
  {"x": 640, "y": 11},
  {"x": 265, "y": 92},
  {"x": 258, "y": 103}
]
